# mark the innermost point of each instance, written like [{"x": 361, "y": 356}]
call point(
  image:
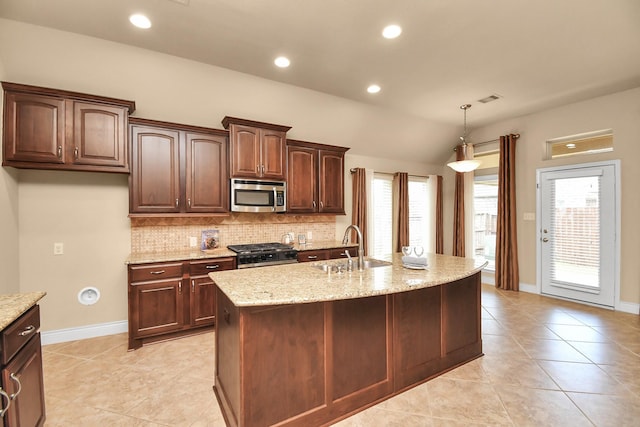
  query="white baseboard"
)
[
  {"x": 628, "y": 307},
  {"x": 532, "y": 289},
  {"x": 84, "y": 332},
  {"x": 488, "y": 278}
]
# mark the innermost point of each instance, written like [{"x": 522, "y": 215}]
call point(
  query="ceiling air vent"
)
[
  {"x": 184, "y": 2},
  {"x": 489, "y": 98}
]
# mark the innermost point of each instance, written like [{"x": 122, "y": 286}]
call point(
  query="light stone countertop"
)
[
  {"x": 304, "y": 283},
  {"x": 13, "y": 306},
  {"x": 192, "y": 254}
]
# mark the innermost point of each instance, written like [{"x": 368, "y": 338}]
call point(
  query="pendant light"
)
[{"x": 464, "y": 152}]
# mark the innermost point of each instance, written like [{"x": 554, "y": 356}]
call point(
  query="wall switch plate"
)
[
  {"x": 529, "y": 216},
  {"x": 309, "y": 235},
  {"x": 193, "y": 242},
  {"x": 58, "y": 248}
]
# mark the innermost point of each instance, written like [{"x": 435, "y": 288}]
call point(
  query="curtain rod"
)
[
  {"x": 353, "y": 170},
  {"x": 517, "y": 135}
]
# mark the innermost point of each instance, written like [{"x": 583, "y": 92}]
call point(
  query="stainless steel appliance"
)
[
  {"x": 250, "y": 195},
  {"x": 263, "y": 254}
]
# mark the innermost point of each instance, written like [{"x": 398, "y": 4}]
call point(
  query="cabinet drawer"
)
[
  {"x": 317, "y": 255},
  {"x": 339, "y": 252},
  {"x": 144, "y": 272},
  {"x": 206, "y": 266},
  {"x": 16, "y": 335}
]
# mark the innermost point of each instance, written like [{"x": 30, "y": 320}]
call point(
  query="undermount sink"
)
[{"x": 342, "y": 267}]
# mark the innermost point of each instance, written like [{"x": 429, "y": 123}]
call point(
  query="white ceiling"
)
[{"x": 534, "y": 54}]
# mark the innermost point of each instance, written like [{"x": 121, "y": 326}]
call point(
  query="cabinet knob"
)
[
  {"x": 59, "y": 151},
  {"x": 75, "y": 153},
  {"x": 177, "y": 202},
  {"x": 180, "y": 288},
  {"x": 189, "y": 202},
  {"x": 193, "y": 286}
]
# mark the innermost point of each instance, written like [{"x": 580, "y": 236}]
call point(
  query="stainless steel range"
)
[{"x": 262, "y": 254}]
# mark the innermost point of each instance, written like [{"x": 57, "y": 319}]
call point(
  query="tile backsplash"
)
[{"x": 173, "y": 234}]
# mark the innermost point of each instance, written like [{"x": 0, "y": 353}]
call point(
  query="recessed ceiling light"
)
[
  {"x": 373, "y": 89},
  {"x": 391, "y": 31},
  {"x": 571, "y": 145},
  {"x": 282, "y": 62},
  {"x": 140, "y": 21}
]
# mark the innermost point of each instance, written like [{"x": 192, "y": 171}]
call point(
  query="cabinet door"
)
[
  {"x": 99, "y": 135},
  {"x": 302, "y": 184},
  {"x": 331, "y": 187},
  {"x": 315, "y": 255},
  {"x": 154, "y": 183},
  {"x": 34, "y": 128},
  {"x": 203, "y": 301},
  {"x": 207, "y": 182},
  {"x": 156, "y": 307},
  {"x": 273, "y": 154},
  {"x": 245, "y": 151},
  {"x": 23, "y": 377}
]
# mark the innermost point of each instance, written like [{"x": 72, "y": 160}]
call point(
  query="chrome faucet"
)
[{"x": 345, "y": 240}]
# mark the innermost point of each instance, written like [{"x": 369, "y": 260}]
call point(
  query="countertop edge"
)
[{"x": 12, "y": 306}]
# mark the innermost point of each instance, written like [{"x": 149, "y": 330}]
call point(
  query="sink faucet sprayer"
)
[{"x": 345, "y": 240}]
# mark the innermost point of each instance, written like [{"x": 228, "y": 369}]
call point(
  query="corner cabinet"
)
[
  {"x": 257, "y": 149},
  {"x": 315, "y": 178},
  {"x": 21, "y": 377},
  {"x": 55, "y": 129},
  {"x": 177, "y": 169},
  {"x": 170, "y": 299}
]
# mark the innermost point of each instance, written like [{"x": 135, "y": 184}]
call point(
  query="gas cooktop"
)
[{"x": 263, "y": 254}]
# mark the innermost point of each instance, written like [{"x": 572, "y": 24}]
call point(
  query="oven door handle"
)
[{"x": 275, "y": 199}]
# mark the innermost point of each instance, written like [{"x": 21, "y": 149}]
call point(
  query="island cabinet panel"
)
[
  {"x": 417, "y": 335},
  {"x": 228, "y": 359},
  {"x": 461, "y": 328},
  {"x": 285, "y": 370}
]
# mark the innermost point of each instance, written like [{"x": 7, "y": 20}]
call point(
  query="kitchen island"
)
[{"x": 296, "y": 345}]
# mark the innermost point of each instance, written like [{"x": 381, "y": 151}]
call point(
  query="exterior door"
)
[{"x": 577, "y": 247}]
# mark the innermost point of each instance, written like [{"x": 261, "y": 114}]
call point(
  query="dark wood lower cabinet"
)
[
  {"x": 316, "y": 363},
  {"x": 171, "y": 299}
]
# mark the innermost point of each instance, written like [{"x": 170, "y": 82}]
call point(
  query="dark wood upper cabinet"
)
[
  {"x": 315, "y": 178},
  {"x": 177, "y": 169},
  {"x": 257, "y": 148},
  {"x": 55, "y": 129}
]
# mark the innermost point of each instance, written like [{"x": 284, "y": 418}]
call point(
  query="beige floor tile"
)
[
  {"x": 531, "y": 331},
  {"x": 472, "y": 371},
  {"x": 414, "y": 401},
  {"x": 606, "y": 353},
  {"x": 466, "y": 401},
  {"x": 582, "y": 378},
  {"x": 496, "y": 345},
  {"x": 92, "y": 347},
  {"x": 528, "y": 407},
  {"x": 517, "y": 372},
  {"x": 376, "y": 417},
  {"x": 557, "y": 350},
  {"x": 604, "y": 411},
  {"x": 577, "y": 333}
]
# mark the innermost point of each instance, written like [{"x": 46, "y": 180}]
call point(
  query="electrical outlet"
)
[
  {"x": 309, "y": 236},
  {"x": 58, "y": 248},
  {"x": 193, "y": 242}
]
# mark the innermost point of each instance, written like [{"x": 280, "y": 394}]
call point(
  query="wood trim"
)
[
  {"x": 17, "y": 87},
  {"x": 227, "y": 120},
  {"x": 308, "y": 144},
  {"x": 177, "y": 126}
]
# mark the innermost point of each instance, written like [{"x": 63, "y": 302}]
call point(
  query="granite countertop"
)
[
  {"x": 191, "y": 254},
  {"x": 13, "y": 306},
  {"x": 304, "y": 283}
]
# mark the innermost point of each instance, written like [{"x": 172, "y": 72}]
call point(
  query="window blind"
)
[{"x": 382, "y": 215}]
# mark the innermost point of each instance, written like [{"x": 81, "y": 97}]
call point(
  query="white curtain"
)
[
  {"x": 371, "y": 229},
  {"x": 432, "y": 194}
]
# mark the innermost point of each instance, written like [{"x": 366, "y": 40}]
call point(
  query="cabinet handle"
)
[
  {"x": 312, "y": 256},
  {"x": 321, "y": 205},
  {"x": 6, "y": 408},
  {"x": 189, "y": 202},
  {"x": 262, "y": 170},
  {"x": 193, "y": 286},
  {"x": 59, "y": 151},
  {"x": 157, "y": 272},
  {"x": 177, "y": 202},
  {"x": 27, "y": 331},
  {"x": 180, "y": 288},
  {"x": 212, "y": 267},
  {"x": 313, "y": 204},
  {"x": 17, "y": 380},
  {"x": 75, "y": 153}
]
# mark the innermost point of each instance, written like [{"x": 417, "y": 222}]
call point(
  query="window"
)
[
  {"x": 584, "y": 143},
  {"x": 485, "y": 208},
  {"x": 382, "y": 215},
  {"x": 419, "y": 223}
]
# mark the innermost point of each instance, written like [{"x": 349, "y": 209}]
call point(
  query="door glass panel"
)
[{"x": 575, "y": 227}]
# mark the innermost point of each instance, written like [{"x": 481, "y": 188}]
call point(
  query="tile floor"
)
[{"x": 547, "y": 363}]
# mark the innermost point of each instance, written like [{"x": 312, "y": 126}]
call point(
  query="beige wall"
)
[{"x": 620, "y": 112}]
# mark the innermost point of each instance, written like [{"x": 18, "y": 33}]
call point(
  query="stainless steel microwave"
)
[{"x": 248, "y": 195}]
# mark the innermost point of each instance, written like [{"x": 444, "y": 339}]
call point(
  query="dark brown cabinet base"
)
[{"x": 328, "y": 360}]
